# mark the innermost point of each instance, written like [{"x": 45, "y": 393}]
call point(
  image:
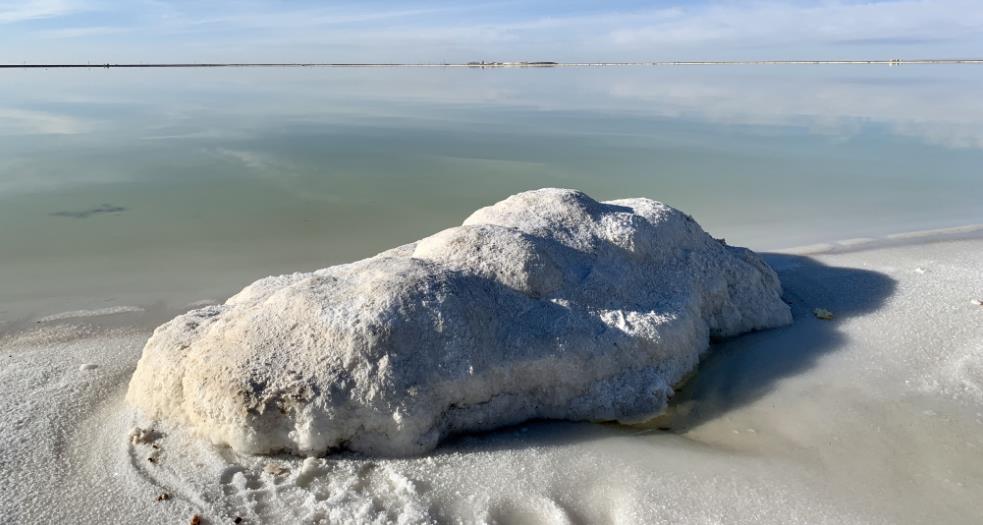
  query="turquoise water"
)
[{"x": 146, "y": 186}]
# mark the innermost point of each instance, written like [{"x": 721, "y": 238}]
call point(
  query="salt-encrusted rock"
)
[{"x": 546, "y": 305}]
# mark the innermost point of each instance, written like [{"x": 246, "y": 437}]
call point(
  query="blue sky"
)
[{"x": 440, "y": 31}]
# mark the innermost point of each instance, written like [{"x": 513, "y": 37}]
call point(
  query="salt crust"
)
[{"x": 547, "y": 304}]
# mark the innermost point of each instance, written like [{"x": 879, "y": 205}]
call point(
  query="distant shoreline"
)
[{"x": 482, "y": 65}]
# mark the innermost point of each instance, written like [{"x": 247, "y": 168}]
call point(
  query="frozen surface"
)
[
  {"x": 873, "y": 417},
  {"x": 547, "y": 305}
]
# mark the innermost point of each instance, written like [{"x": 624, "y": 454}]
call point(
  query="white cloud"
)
[
  {"x": 82, "y": 32},
  {"x": 783, "y": 23},
  {"x": 498, "y": 30},
  {"x": 19, "y": 11},
  {"x": 321, "y": 17},
  {"x": 765, "y": 29}
]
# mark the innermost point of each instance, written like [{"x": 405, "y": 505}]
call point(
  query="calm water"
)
[{"x": 144, "y": 186}]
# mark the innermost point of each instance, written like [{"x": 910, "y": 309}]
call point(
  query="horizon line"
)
[{"x": 484, "y": 64}]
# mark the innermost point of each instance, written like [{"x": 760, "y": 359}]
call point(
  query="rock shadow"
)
[
  {"x": 740, "y": 370},
  {"x": 735, "y": 371}
]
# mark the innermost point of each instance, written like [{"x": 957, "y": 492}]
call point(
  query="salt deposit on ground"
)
[
  {"x": 79, "y": 314},
  {"x": 548, "y": 304},
  {"x": 871, "y": 417}
]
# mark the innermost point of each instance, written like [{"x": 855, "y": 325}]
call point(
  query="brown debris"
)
[
  {"x": 164, "y": 497},
  {"x": 196, "y": 520},
  {"x": 141, "y": 436},
  {"x": 822, "y": 313},
  {"x": 275, "y": 470}
]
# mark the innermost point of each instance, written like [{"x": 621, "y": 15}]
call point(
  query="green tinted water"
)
[{"x": 226, "y": 175}]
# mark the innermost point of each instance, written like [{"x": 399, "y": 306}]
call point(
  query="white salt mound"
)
[{"x": 546, "y": 305}]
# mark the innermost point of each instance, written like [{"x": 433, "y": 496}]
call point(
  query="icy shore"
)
[{"x": 802, "y": 424}]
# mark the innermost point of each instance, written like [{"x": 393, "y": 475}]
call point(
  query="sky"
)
[{"x": 436, "y": 31}]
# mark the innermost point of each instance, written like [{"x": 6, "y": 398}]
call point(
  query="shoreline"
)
[
  {"x": 148, "y": 312},
  {"x": 906, "y": 238},
  {"x": 481, "y": 65}
]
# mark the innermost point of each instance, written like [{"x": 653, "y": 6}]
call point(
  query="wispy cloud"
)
[
  {"x": 888, "y": 22},
  {"x": 276, "y": 17},
  {"x": 706, "y": 30},
  {"x": 891, "y": 41},
  {"x": 82, "y": 32},
  {"x": 19, "y": 11},
  {"x": 434, "y": 30}
]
